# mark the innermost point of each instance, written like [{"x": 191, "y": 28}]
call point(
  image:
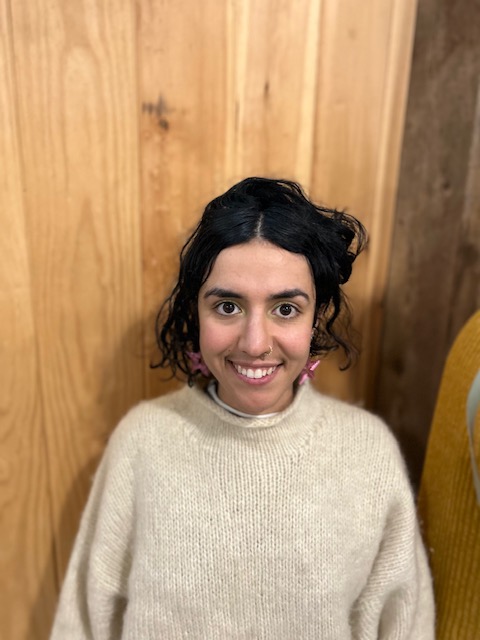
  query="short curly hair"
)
[{"x": 279, "y": 212}]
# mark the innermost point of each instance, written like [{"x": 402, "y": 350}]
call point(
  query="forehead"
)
[{"x": 258, "y": 266}]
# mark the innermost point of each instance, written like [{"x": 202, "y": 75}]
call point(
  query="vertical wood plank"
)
[
  {"x": 365, "y": 53},
  {"x": 183, "y": 93},
  {"x": 272, "y": 78},
  {"x": 433, "y": 283},
  {"x": 27, "y": 576},
  {"x": 75, "y": 65}
]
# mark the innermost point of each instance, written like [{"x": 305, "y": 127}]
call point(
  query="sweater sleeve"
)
[
  {"x": 93, "y": 596},
  {"x": 397, "y": 601}
]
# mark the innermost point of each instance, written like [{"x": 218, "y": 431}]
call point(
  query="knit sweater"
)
[{"x": 205, "y": 525}]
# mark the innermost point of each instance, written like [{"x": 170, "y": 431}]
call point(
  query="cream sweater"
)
[{"x": 205, "y": 525}]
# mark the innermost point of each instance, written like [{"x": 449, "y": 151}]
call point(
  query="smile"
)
[{"x": 255, "y": 374}]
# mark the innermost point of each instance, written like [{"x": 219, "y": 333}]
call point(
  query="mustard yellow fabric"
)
[{"x": 447, "y": 501}]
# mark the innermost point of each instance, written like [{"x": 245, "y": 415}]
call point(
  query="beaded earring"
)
[
  {"x": 197, "y": 363},
  {"x": 308, "y": 371}
]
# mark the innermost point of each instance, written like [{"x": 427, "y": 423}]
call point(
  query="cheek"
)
[
  {"x": 214, "y": 338},
  {"x": 296, "y": 344},
  {"x": 301, "y": 338}
]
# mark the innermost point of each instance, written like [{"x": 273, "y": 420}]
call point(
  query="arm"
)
[
  {"x": 397, "y": 601},
  {"x": 94, "y": 593},
  {"x": 424, "y": 621}
]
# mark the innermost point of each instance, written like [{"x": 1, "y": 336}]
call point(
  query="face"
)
[{"x": 257, "y": 296}]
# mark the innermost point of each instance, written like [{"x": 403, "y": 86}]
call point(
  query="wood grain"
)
[
  {"x": 272, "y": 74},
  {"x": 364, "y": 62},
  {"x": 435, "y": 263},
  {"x": 75, "y": 66},
  {"x": 27, "y": 573},
  {"x": 183, "y": 96}
]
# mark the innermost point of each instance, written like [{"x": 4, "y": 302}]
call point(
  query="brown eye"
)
[
  {"x": 227, "y": 308},
  {"x": 286, "y": 310}
]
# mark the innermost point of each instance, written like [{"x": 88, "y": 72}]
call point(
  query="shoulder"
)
[
  {"x": 359, "y": 435},
  {"x": 346, "y": 416},
  {"x": 150, "y": 419},
  {"x": 364, "y": 461}
]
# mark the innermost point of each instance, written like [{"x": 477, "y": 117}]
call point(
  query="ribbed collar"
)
[
  {"x": 212, "y": 392},
  {"x": 288, "y": 430}
]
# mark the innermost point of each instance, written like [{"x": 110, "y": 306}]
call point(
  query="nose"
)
[{"x": 255, "y": 339}]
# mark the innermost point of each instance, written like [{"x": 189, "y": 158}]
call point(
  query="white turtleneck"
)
[{"x": 212, "y": 392}]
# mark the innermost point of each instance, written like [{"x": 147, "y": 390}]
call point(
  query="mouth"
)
[{"x": 257, "y": 373}]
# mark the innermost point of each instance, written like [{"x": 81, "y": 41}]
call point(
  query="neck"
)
[{"x": 212, "y": 391}]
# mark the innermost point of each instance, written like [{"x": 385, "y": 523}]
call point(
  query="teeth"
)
[{"x": 255, "y": 373}]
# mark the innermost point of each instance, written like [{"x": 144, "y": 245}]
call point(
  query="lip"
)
[{"x": 255, "y": 381}]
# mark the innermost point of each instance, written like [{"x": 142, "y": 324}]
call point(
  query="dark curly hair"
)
[{"x": 278, "y": 212}]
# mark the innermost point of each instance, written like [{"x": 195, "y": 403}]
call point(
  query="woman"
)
[{"x": 250, "y": 506}]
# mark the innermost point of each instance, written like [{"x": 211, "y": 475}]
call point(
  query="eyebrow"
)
[{"x": 227, "y": 293}]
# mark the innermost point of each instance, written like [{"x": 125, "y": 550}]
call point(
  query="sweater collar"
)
[
  {"x": 212, "y": 392},
  {"x": 287, "y": 430}
]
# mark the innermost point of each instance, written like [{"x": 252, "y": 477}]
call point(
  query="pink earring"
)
[
  {"x": 197, "y": 363},
  {"x": 308, "y": 371}
]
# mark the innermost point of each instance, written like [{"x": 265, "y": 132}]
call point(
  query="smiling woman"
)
[
  {"x": 247, "y": 505},
  {"x": 256, "y": 314},
  {"x": 277, "y": 212}
]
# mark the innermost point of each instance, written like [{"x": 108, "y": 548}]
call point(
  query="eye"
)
[
  {"x": 286, "y": 310},
  {"x": 227, "y": 308}
]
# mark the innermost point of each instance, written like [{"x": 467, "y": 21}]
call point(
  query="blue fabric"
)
[{"x": 473, "y": 402}]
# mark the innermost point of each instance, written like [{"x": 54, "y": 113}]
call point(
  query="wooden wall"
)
[
  {"x": 119, "y": 120},
  {"x": 434, "y": 280}
]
